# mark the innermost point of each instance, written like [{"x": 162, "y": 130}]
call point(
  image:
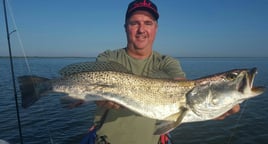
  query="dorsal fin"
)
[{"x": 92, "y": 67}]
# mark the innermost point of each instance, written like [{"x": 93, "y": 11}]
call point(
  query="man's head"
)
[
  {"x": 141, "y": 27},
  {"x": 145, "y": 5}
]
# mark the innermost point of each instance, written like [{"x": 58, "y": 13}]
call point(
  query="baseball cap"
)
[{"x": 145, "y": 5}]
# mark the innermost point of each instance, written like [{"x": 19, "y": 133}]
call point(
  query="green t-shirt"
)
[{"x": 124, "y": 126}]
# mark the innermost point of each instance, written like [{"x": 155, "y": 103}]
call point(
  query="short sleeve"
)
[
  {"x": 172, "y": 67},
  {"x": 105, "y": 56}
]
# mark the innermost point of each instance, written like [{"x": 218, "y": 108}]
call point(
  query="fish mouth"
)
[
  {"x": 248, "y": 81},
  {"x": 251, "y": 74}
]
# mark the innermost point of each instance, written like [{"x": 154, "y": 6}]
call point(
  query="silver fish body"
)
[
  {"x": 154, "y": 98},
  {"x": 173, "y": 102}
]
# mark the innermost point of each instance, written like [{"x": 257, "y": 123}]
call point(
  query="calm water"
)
[{"x": 47, "y": 122}]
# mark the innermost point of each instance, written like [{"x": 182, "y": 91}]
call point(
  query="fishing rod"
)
[{"x": 12, "y": 71}]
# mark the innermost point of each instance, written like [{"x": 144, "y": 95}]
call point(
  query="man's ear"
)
[{"x": 125, "y": 26}]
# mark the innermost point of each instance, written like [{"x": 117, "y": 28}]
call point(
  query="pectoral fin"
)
[{"x": 166, "y": 126}]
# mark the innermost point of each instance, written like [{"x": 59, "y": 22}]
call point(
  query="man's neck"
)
[{"x": 139, "y": 53}]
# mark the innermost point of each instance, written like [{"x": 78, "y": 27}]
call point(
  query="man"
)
[{"x": 118, "y": 125}]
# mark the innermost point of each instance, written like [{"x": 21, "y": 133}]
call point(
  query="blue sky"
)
[{"x": 187, "y": 28}]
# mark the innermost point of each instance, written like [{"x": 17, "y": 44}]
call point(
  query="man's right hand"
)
[{"x": 108, "y": 104}]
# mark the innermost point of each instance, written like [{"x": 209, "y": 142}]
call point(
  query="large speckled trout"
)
[{"x": 170, "y": 101}]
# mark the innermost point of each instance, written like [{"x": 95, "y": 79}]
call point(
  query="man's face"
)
[{"x": 141, "y": 29}]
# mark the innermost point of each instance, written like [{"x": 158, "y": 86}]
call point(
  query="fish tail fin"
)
[{"x": 31, "y": 88}]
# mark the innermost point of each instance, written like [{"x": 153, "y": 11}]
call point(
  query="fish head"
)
[{"x": 216, "y": 94}]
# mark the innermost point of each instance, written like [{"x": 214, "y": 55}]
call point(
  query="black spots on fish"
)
[{"x": 92, "y": 67}]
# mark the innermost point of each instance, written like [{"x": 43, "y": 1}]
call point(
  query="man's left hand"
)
[{"x": 234, "y": 110}]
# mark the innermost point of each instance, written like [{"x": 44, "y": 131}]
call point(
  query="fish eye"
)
[{"x": 232, "y": 75}]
